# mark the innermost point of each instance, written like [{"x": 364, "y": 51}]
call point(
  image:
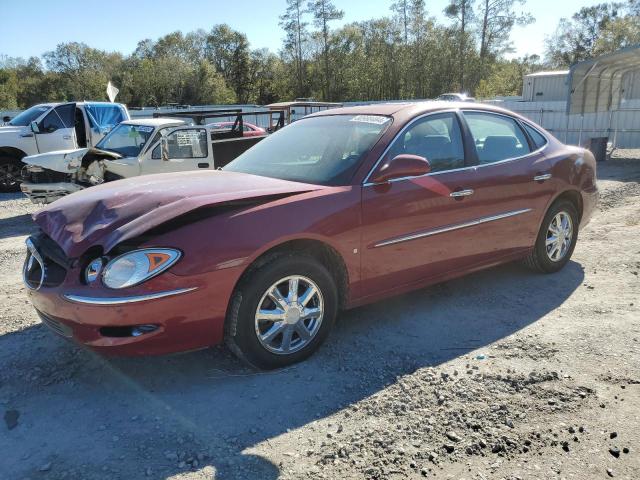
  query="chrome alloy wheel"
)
[
  {"x": 289, "y": 315},
  {"x": 559, "y": 236}
]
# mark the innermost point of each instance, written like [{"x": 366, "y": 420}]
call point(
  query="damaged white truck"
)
[
  {"x": 51, "y": 127},
  {"x": 134, "y": 147}
]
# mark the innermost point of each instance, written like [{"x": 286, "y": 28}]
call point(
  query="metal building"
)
[{"x": 545, "y": 86}]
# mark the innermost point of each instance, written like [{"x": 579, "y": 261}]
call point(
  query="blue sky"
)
[{"x": 31, "y": 28}]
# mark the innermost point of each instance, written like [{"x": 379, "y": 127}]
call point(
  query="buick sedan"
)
[{"x": 342, "y": 208}]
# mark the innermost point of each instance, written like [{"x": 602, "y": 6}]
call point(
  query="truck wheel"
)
[
  {"x": 282, "y": 312},
  {"x": 10, "y": 174}
]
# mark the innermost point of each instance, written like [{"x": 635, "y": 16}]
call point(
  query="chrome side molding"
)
[
  {"x": 123, "y": 300},
  {"x": 461, "y": 193},
  {"x": 542, "y": 178},
  {"x": 450, "y": 228}
]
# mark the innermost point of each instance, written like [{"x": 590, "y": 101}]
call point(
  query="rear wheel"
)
[
  {"x": 556, "y": 240},
  {"x": 282, "y": 312},
  {"x": 10, "y": 174}
]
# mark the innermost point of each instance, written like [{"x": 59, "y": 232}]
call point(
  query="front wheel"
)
[
  {"x": 282, "y": 312},
  {"x": 10, "y": 174},
  {"x": 556, "y": 240}
]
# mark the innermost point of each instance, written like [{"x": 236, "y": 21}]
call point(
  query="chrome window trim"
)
[
  {"x": 123, "y": 300},
  {"x": 366, "y": 183},
  {"x": 449, "y": 228}
]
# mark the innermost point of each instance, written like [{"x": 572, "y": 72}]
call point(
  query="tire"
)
[
  {"x": 243, "y": 327},
  {"x": 10, "y": 169},
  {"x": 540, "y": 259}
]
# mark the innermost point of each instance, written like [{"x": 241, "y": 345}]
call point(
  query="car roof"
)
[
  {"x": 156, "y": 122},
  {"x": 411, "y": 109}
]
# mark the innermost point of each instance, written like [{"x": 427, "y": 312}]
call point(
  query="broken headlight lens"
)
[{"x": 137, "y": 266}]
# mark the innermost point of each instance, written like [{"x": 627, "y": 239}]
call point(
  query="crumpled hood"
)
[
  {"x": 13, "y": 130},
  {"x": 59, "y": 160},
  {"x": 111, "y": 213}
]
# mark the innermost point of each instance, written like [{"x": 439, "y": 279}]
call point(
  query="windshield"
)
[
  {"x": 321, "y": 150},
  {"x": 127, "y": 140},
  {"x": 25, "y": 118}
]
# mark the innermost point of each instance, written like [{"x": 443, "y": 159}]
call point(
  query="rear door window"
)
[{"x": 496, "y": 137}]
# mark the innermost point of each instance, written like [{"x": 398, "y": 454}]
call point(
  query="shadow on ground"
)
[
  {"x": 115, "y": 418},
  {"x": 16, "y": 226}
]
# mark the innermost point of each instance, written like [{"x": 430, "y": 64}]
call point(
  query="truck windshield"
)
[
  {"x": 127, "y": 140},
  {"x": 25, "y": 118},
  {"x": 323, "y": 150}
]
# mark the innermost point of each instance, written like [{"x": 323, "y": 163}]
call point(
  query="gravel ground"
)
[{"x": 503, "y": 374}]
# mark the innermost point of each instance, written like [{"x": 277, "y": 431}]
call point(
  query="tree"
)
[
  {"x": 295, "y": 28},
  {"x": 324, "y": 11},
  {"x": 575, "y": 39},
  {"x": 462, "y": 12},
  {"x": 229, "y": 51},
  {"x": 496, "y": 20}
]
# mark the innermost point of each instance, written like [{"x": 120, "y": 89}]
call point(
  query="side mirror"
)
[
  {"x": 164, "y": 147},
  {"x": 401, "y": 166},
  {"x": 6, "y": 119},
  {"x": 34, "y": 127}
]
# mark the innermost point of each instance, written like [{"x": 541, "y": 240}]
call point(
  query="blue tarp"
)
[{"x": 103, "y": 117}]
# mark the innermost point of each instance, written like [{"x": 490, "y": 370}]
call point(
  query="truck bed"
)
[{"x": 227, "y": 149}]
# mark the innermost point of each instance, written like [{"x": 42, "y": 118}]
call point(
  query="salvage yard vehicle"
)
[
  {"x": 50, "y": 127},
  {"x": 342, "y": 208},
  {"x": 133, "y": 148}
]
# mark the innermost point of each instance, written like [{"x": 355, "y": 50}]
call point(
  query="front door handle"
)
[
  {"x": 203, "y": 165},
  {"x": 542, "y": 177},
  {"x": 461, "y": 193}
]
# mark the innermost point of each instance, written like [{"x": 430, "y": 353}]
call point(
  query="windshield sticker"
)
[
  {"x": 187, "y": 138},
  {"x": 374, "y": 119},
  {"x": 144, "y": 129}
]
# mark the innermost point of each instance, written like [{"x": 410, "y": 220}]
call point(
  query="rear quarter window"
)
[{"x": 539, "y": 140}]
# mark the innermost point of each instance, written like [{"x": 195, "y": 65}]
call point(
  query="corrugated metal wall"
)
[{"x": 621, "y": 126}]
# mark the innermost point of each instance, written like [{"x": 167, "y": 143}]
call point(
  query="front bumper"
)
[
  {"x": 187, "y": 315},
  {"x": 590, "y": 199},
  {"x": 40, "y": 193}
]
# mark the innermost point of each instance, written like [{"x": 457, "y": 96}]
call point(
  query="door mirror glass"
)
[
  {"x": 34, "y": 127},
  {"x": 401, "y": 166}
]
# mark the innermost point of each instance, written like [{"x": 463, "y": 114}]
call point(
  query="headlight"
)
[{"x": 138, "y": 266}]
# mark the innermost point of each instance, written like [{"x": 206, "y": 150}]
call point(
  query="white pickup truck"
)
[
  {"x": 134, "y": 147},
  {"x": 53, "y": 126}
]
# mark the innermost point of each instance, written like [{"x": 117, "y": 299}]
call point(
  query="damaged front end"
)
[{"x": 50, "y": 176}]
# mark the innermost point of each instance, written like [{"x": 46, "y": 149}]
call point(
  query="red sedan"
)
[
  {"x": 249, "y": 129},
  {"x": 342, "y": 208}
]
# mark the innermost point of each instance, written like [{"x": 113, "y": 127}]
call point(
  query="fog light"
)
[
  {"x": 122, "y": 332},
  {"x": 142, "y": 329}
]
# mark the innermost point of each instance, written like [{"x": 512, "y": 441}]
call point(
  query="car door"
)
[
  {"x": 56, "y": 129},
  {"x": 421, "y": 227},
  {"x": 188, "y": 149},
  {"x": 509, "y": 181}
]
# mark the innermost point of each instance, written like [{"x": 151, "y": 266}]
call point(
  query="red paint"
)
[{"x": 352, "y": 219}]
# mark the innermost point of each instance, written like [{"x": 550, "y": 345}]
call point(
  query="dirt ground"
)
[{"x": 503, "y": 374}]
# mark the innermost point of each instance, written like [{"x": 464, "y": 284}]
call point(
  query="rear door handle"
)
[
  {"x": 203, "y": 165},
  {"x": 542, "y": 177},
  {"x": 461, "y": 193},
  {"x": 66, "y": 137}
]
